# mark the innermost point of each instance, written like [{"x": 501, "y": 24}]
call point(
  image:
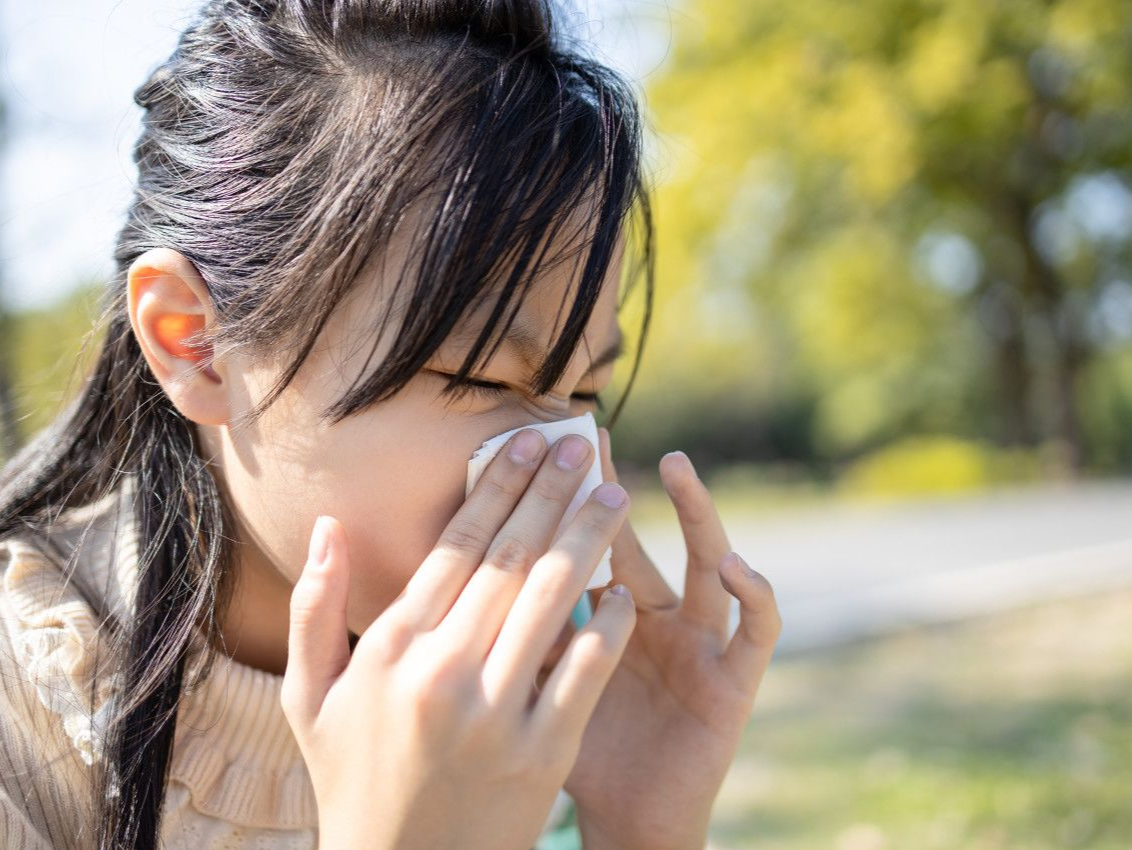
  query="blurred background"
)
[{"x": 893, "y": 331}]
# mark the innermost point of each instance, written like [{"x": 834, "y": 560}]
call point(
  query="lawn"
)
[{"x": 1011, "y": 731}]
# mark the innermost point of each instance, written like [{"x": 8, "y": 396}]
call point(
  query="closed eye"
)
[{"x": 493, "y": 390}]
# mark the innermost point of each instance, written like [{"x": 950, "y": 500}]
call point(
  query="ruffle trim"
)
[
  {"x": 233, "y": 747},
  {"x": 56, "y": 642}
]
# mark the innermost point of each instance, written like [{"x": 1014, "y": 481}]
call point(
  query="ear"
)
[{"x": 169, "y": 306}]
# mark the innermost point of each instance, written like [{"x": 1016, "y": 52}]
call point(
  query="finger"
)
[
  {"x": 318, "y": 646},
  {"x": 479, "y": 612},
  {"x": 749, "y": 651},
  {"x": 705, "y": 599},
  {"x": 630, "y": 564},
  {"x": 559, "y": 647},
  {"x": 546, "y": 599},
  {"x": 434, "y": 587},
  {"x": 567, "y": 700}
]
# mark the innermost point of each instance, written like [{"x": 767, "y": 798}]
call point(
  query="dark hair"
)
[{"x": 284, "y": 142}]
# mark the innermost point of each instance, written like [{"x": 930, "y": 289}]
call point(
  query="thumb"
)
[{"x": 318, "y": 647}]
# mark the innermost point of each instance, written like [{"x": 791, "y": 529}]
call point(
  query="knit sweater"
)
[{"x": 236, "y": 779}]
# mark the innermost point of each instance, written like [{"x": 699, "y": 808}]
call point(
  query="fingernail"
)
[
  {"x": 526, "y": 447},
  {"x": 320, "y": 542},
  {"x": 687, "y": 460},
  {"x": 621, "y": 590},
  {"x": 609, "y": 494},
  {"x": 571, "y": 452}
]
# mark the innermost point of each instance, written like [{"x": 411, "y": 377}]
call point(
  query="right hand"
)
[{"x": 432, "y": 734}]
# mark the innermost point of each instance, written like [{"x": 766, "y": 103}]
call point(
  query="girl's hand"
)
[
  {"x": 666, "y": 728},
  {"x": 431, "y": 735}
]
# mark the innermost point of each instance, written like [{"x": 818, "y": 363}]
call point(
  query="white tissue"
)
[{"x": 584, "y": 425}]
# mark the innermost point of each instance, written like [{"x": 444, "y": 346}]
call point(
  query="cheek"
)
[
  {"x": 394, "y": 498},
  {"x": 394, "y": 477}
]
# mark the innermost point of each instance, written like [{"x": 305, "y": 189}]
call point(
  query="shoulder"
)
[
  {"x": 45, "y": 737},
  {"x": 86, "y": 554},
  {"x": 58, "y": 595}
]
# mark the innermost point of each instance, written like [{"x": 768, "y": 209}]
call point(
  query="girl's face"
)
[{"x": 394, "y": 474}]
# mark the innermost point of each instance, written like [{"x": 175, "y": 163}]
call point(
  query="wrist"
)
[
  {"x": 594, "y": 838},
  {"x": 609, "y": 845}
]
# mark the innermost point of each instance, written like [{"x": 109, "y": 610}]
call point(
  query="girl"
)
[{"x": 356, "y": 228}]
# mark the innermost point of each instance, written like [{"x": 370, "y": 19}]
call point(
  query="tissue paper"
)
[{"x": 584, "y": 425}]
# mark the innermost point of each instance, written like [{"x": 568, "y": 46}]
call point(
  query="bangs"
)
[{"x": 533, "y": 166}]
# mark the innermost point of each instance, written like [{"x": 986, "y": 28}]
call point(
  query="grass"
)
[{"x": 1010, "y": 731}]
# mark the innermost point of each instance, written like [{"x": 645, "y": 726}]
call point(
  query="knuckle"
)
[
  {"x": 552, "y": 488},
  {"x": 598, "y": 521},
  {"x": 394, "y": 629},
  {"x": 776, "y": 621},
  {"x": 385, "y": 640},
  {"x": 463, "y": 537},
  {"x": 305, "y": 597},
  {"x": 512, "y": 555},
  {"x": 766, "y": 603},
  {"x": 441, "y": 681},
  {"x": 499, "y": 488},
  {"x": 593, "y": 650},
  {"x": 764, "y": 589}
]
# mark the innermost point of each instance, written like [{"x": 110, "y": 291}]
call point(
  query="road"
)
[{"x": 842, "y": 571}]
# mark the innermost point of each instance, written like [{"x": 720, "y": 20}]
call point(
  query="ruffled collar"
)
[{"x": 233, "y": 747}]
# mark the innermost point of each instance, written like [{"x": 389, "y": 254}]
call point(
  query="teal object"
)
[
  {"x": 582, "y": 611},
  {"x": 565, "y": 836}
]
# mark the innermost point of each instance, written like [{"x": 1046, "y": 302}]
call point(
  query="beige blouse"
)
[{"x": 237, "y": 778}]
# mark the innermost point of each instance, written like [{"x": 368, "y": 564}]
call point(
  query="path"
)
[{"x": 843, "y": 571}]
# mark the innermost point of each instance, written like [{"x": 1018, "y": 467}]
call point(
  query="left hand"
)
[{"x": 665, "y": 731}]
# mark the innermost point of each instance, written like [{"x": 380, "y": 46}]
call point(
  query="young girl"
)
[{"x": 245, "y": 601}]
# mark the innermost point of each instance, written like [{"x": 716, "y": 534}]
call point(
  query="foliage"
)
[
  {"x": 901, "y": 216},
  {"x": 876, "y": 221},
  {"x": 48, "y": 360},
  {"x": 928, "y": 465}
]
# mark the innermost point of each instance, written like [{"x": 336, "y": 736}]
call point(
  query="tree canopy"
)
[{"x": 898, "y": 217}]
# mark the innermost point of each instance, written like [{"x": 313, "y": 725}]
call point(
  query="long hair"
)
[{"x": 283, "y": 143}]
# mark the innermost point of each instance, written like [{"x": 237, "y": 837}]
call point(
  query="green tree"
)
[
  {"x": 48, "y": 362},
  {"x": 922, "y": 206},
  {"x": 9, "y": 429}
]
